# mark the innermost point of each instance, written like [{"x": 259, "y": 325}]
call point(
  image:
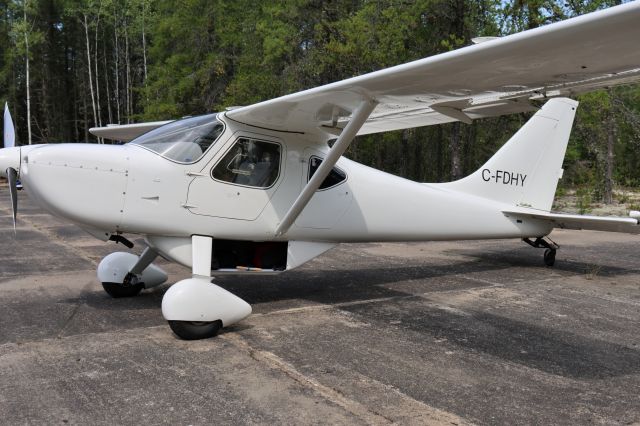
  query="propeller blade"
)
[{"x": 12, "y": 177}]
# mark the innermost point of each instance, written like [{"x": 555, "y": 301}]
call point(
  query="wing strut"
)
[{"x": 359, "y": 117}]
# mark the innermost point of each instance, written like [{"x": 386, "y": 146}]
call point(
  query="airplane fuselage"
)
[{"x": 108, "y": 189}]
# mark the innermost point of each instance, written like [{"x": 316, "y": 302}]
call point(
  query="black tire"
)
[
  {"x": 193, "y": 330},
  {"x": 549, "y": 257},
  {"x": 117, "y": 290}
]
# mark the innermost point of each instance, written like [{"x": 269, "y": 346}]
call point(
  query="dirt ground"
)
[{"x": 580, "y": 202}]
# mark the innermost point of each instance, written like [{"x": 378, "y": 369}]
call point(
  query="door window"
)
[{"x": 251, "y": 163}]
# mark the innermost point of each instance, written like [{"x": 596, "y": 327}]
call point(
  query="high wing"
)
[
  {"x": 628, "y": 225},
  {"x": 126, "y": 132},
  {"x": 496, "y": 77}
]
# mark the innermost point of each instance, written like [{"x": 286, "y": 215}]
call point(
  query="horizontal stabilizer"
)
[{"x": 626, "y": 225}]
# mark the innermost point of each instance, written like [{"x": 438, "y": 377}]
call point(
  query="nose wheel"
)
[
  {"x": 119, "y": 290},
  {"x": 125, "y": 274},
  {"x": 550, "y": 247},
  {"x": 549, "y": 257}
]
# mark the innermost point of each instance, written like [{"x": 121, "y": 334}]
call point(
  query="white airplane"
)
[{"x": 258, "y": 189}]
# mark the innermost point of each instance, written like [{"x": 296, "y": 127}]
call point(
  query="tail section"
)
[{"x": 525, "y": 171}]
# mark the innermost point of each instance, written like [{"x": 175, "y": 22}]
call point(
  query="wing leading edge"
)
[{"x": 493, "y": 78}]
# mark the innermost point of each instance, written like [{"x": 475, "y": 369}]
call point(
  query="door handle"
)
[{"x": 195, "y": 174}]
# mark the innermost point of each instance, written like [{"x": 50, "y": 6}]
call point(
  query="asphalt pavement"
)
[{"x": 419, "y": 333}]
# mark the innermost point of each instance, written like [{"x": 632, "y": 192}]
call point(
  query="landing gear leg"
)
[{"x": 549, "y": 246}]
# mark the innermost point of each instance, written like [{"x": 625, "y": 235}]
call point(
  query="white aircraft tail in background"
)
[{"x": 526, "y": 170}]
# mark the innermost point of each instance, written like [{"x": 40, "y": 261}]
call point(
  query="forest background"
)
[{"x": 69, "y": 65}]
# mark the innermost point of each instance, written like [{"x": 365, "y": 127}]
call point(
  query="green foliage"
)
[
  {"x": 634, "y": 207},
  {"x": 583, "y": 195},
  {"x": 623, "y": 198},
  {"x": 166, "y": 59}
]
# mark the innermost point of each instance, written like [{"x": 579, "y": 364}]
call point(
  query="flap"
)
[{"x": 573, "y": 221}]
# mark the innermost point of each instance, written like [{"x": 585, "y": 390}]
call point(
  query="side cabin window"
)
[
  {"x": 250, "y": 162},
  {"x": 335, "y": 177}
]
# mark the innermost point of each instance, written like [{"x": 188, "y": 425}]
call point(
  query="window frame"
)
[
  {"x": 346, "y": 175},
  {"x": 235, "y": 142}
]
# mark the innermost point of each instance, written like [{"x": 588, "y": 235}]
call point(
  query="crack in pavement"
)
[{"x": 275, "y": 362}]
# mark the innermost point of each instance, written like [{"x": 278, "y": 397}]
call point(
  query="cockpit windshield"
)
[{"x": 184, "y": 141}]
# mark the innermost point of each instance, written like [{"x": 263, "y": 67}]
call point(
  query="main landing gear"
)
[
  {"x": 195, "y": 307},
  {"x": 195, "y": 330},
  {"x": 549, "y": 246}
]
